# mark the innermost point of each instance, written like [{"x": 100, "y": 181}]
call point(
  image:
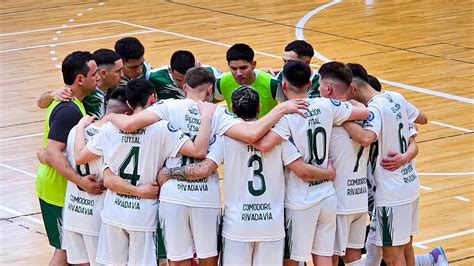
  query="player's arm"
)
[
  {"x": 251, "y": 133},
  {"x": 359, "y": 134},
  {"x": 359, "y": 111},
  {"x": 309, "y": 172},
  {"x": 129, "y": 123},
  {"x": 57, "y": 160},
  {"x": 62, "y": 94},
  {"x": 118, "y": 185},
  {"x": 421, "y": 119},
  {"x": 396, "y": 160},
  {"x": 82, "y": 154},
  {"x": 192, "y": 171},
  {"x": 268, "y": 142}
]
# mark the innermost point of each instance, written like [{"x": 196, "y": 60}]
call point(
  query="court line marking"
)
[
  {"x": 461, "y": 198},
  {"x": 426, "y": 188},
  {"x": 76, "y": 41},
  {"x": 151, "y": 30},
  {"x": 445, "y": 174},
  {"x": 421, "y": 244},
  {"x": 21, "y": 137},
  {"x": 450, "y": 126},
  {"x": 18, "y": 170},
  {"x": 300, "y": 36},
  {"x": 58, "y": 28},
  {"x": 12, "y": 211}
]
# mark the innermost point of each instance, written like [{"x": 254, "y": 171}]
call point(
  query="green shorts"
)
[
  {"x": 53, "y": 222},
  {"x": 160, "y": 243}
]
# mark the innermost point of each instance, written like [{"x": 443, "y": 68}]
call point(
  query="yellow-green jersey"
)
[
  {"x": 60, "y": 118},
  {"x": 265, "y": 84}
]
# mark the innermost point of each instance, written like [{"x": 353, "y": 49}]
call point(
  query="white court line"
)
[
  {"x": 150, "y": 30},
  {"x": 77, "y": 41},
  {"x": 34, "y": 220},
  {"x": 22, "y": 137},
  {"x": 300, "y": 36},
  {"x": 445, "y": 174},
  {"x": 18, "y": 170},
  {"x": 450, "y": 126},
  {"x": 421, "y": 244},
  {"x": 58, "y": 28},
  {"x": 188, "y": 37},
  {"x": 426, "y": 188},
  {"x": 462, "y": 198}
]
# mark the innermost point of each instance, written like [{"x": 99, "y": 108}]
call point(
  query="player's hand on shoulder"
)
[
  {"x": 62, "y": 94},
  {"x": 91, "y": 185},
  {"x": 149, "y": 191},
  {"x": 294, "y": 106},
  {"x": 270, "y": 71},
  {"x": 206, "y": 109},
  {"x": 86, "y": 120}
]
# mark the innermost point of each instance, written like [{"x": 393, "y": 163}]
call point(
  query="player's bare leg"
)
[
  {"x": 322, "y": 260},
  {"x": 212, "y": 261},
  {"x": 59, "y": 258},
  {"x": 409, "y": 253},
  {"x": 394, "y": 256}
]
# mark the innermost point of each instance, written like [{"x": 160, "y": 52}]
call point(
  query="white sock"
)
[
  {"x": 374, "y": 255},
  {"x": 424, "y": 260}
]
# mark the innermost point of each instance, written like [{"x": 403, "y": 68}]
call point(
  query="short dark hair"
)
[
  {"x": 375, "y": 83},
  {"x": 104, "y": 57},
  {"x": 301, "y": 48},
  {"x": 358, "y": 71},
  {"x": 118, "y": 94},
  {"x": 198, "y": 76},
  {"x": 182, "y": 60},
  {"x": 245, "y": 102},
  {"x": 336, "y": 70},
  {"x": 129, "y": 48},
  {"x": 296, "y": 73},
  {"x": 138, "y": 91},
  {"x": 75, "y": 64},
  {"x": 117, "y": 102},
  {"x": 240, "y": 51}
]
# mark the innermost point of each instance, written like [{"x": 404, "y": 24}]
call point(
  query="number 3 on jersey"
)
[
  {"x": 257, "y": 172},
  {"x": 134, "y": 176}
]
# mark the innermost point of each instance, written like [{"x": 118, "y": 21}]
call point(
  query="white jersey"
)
[
  {"x": 350, "y": 160},
  {"x": 81, "y": 212},
  {"x": 390, "y": 118},
  {"x": 311, "y": 136},
  {"x": 254, "y": 189},
  {"x": 185, "y": 115},
  {"x": 136, "y": 157}
]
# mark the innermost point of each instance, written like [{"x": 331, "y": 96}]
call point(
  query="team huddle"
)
[{"x": 128, "y": 172}]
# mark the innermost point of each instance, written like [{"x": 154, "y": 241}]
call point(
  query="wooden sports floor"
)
[{"x": 423, "y": 49}]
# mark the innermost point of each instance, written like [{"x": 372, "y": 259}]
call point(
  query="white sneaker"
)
[{"x": 439, "y": 257}]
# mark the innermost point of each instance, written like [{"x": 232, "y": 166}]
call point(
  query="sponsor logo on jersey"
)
[
  {"x": 371, "y": 116},
  {"x": 212, "y": 140},
  {"x": 336, "y": 102},
  {"x": 172, "y": 128}
]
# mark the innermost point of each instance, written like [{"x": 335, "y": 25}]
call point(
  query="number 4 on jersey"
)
[{"x": 134, "y": 176}]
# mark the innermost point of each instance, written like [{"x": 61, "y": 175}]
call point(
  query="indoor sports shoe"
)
[{"x": 439, "y": 257}]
